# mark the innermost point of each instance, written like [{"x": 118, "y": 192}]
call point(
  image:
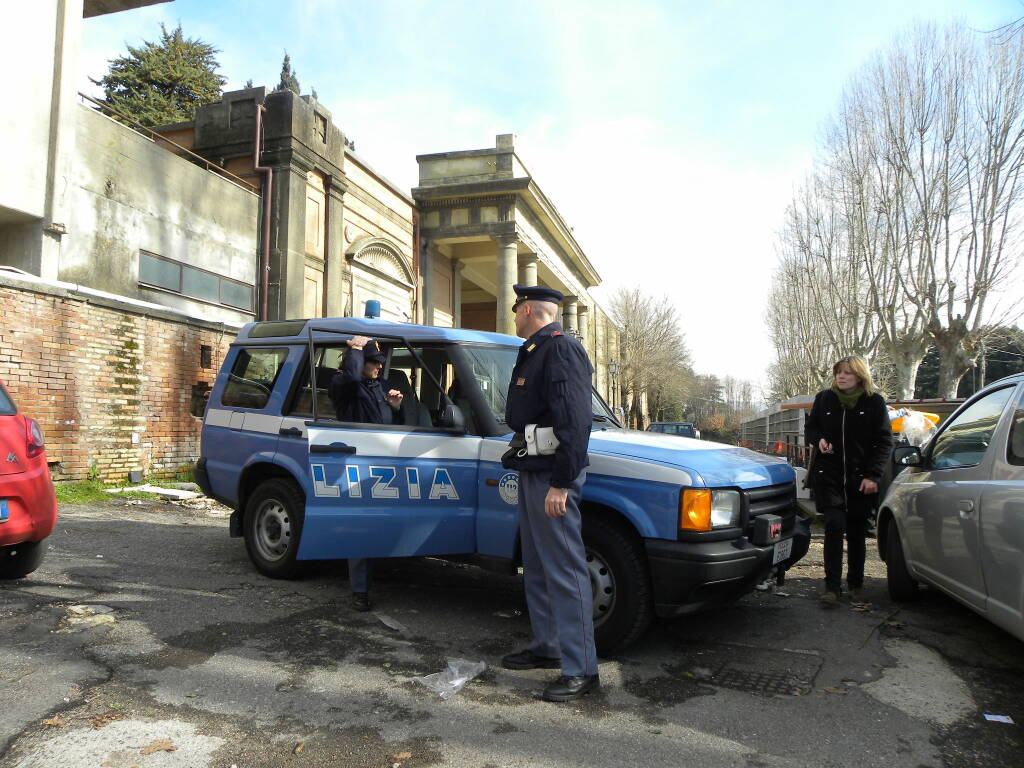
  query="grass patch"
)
[{"x": 93, "y": 490}]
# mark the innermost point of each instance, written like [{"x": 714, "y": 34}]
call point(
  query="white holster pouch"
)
[{"x": 540, "y": 441}]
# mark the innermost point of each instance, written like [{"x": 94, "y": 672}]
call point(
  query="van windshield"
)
[
  {"x": 6, "y": 404},
  {"x": 492, "y": 371}
]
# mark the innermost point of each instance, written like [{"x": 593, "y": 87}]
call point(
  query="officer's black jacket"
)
[
  {"x": 358, "y": 399},
  {"x": 861, "y": 442},
  {"x": 551, "y": 387}
]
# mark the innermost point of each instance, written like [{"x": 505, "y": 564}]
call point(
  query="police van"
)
[{"x": 670, "y": 525}]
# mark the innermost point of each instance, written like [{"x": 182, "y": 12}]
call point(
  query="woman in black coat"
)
[{"x": 849, "y": 427}]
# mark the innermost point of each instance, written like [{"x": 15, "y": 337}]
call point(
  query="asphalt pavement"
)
[{"x": 147, "y": 639}]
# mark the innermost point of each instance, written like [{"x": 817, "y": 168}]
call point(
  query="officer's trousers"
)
[
  {"x": 359, "y": 574},
  {"x": 558, "y": 593}
]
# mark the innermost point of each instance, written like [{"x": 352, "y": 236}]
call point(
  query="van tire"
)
[
  {"x": 272, "y": 528},
  {"x": 902, "y": 586},
  {"x": 620, "y": 583},
  {"x": 20, "y": 560}
]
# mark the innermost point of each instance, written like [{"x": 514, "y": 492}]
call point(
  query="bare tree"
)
[
  {"x": 908, "y": 233},
  {"x": 655, "y": 361}
]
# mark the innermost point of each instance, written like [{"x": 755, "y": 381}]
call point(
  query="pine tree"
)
[
  {"x": 289, "y": 81},
  {"x": 163, "y": 82}
]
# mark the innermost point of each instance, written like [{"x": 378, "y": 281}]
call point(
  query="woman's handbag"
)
[{"x": 810, "y": 467}]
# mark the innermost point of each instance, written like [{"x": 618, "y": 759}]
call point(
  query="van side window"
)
[
  {"x": 1015, "y": 445},
  {"x": 422, "y": 404},
  {"x": 328, "y": 360},
  {"x": 252, "y": 377}
]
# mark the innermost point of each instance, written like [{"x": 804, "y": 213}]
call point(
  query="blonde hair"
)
[{"x": 858, "y": 367}]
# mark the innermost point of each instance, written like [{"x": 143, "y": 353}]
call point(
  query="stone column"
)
[
  {"x": 457, "y": 266},
  {"x": 507, "y": 268},
  {"x": 335, "y": 265},
  {"x": 427, "y": 296},
  {"x": 569, "y": 313},
  {"x": 528, "y": 269},
  {"x": 581, "y": 322}
]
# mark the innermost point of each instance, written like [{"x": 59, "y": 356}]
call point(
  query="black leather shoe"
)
[
  {"x": 527, "y": 659},
  {"x": 361, "y": 601},
  {"x": 569, "y": 687}
]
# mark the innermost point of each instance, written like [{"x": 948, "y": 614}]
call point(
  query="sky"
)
[{"x": 670, "y": 134}]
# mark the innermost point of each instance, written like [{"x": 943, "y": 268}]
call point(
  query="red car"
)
[{"x": 28, "y": 506}]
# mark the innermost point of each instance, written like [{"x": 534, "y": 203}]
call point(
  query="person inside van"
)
[{"x": 359, "y": 394}]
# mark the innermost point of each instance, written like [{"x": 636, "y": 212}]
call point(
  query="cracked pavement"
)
[{"x": 203, "y": 662}]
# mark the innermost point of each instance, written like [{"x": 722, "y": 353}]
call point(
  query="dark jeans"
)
[{"x": 846, "y": 516}]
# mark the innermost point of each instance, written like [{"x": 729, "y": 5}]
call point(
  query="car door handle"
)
[
  {"x": 966, "y": 507},
  {"x": 290, "y": 432},
  {"x": 332, "y": 448}
]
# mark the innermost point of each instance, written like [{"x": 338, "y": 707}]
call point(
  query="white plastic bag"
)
[
  {"x": 916, "y": 428},
  {"x": 448, "y": 682}
]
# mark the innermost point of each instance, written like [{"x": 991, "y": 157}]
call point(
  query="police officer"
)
[
  {"x": 357, "y": 390},
  {"x": 359, "y": 394},
  {"x": 551, "y": 387}
]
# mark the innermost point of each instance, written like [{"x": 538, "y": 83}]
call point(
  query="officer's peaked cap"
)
[
  {"x": 372, "y": 353},
  {"x": 535, "y": 293}
]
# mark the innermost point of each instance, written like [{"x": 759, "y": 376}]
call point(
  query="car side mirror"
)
[
  {"x": 907, "y": 456},
  {"x": 452, "y": 418}
]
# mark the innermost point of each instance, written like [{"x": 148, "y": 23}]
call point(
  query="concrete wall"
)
[
  {"x": 27, "y": 38},
  {"x": 130, "y": 195},
  {"x": 374, "y": 209},
  {"x": 375, "y": 213},
  {"x": 470, "y": 166},
  {"x": 39, "y": 44}
]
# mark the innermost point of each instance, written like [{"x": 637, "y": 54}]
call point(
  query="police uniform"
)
[
  {"x": 358, "y": 399},
  {"x": 551, "y": 387},
  {"x": 361, "y": 400}
]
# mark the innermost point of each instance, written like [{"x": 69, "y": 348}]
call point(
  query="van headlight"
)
[{"x": 705, "y": 510}]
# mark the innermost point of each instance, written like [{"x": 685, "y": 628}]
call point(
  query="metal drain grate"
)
[
  {"x": 761, "y": 671},
  {"x": 764, "y": 683}
]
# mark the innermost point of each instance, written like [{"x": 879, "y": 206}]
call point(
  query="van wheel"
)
[
  {"x": 620, "y": 584},
  {"x": 273, "y": 528},
  {"x": 20, "y": 560},
  {"x": 902, "y": 586}
]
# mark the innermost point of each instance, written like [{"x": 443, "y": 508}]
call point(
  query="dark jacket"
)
[
  {"x": 357, "y": 399},
  {"x": 551, "y": 387},
  {"x": 861, "y": 437}
]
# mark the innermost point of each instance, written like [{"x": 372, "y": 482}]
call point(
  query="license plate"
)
[
  {"x": 782, "y": 551},
  {"x": 4, "y": 514}
]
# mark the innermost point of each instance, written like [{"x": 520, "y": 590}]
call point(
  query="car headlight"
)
[{"x": 705, "y": 510}]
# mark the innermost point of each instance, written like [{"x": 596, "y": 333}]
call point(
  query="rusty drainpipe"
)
[{"x": 267, "y": 197}]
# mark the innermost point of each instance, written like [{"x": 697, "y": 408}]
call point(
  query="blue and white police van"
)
[{"x": 670, "y": 524}]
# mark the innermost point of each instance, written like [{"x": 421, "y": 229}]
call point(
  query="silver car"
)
[{"x": 953, "y": 517}]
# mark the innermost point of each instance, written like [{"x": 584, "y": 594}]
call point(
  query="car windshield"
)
[
  {"x": 492, "y": 371},
  {"x": 6, "y": 404}
]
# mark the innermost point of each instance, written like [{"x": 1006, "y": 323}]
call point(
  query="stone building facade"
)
[
  {"x": 486, "y": 224},
  {"x": 339, "y": 233},
  {"x": 128, "y": 260}
]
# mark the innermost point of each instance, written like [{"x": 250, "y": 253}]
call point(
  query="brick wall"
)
[{"x": 111, "y": 386}]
